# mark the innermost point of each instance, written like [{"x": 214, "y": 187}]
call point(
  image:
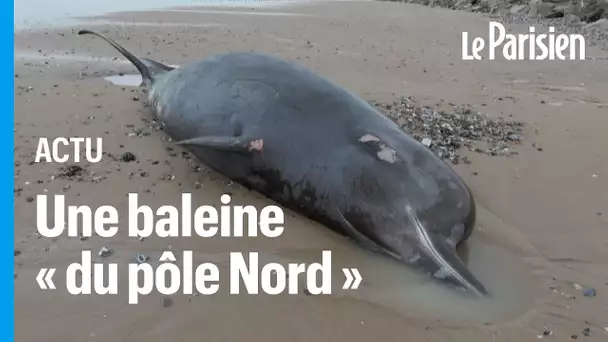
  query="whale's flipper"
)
[
  {"x": 146, "y": 67},
  {"x": 223, "y": 143}
]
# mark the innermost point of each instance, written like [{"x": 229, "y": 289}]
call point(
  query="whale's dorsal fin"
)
[{"x": 225, "y": 143}]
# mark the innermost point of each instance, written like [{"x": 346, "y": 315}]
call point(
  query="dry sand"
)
[{"x": 543, "y": 223}]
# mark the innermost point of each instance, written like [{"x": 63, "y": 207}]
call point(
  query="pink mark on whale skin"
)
[{"x": 256, "y": 145}]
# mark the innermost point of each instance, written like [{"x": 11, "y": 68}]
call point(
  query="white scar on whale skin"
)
[
  {"x": 427, "y": 243},
  {"x": 368, "y": 138},
  {"x": 385, "y": 153}
]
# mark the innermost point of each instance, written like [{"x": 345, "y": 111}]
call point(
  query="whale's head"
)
[{"x": 411, "y": 205}]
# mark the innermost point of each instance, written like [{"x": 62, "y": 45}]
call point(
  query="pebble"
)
[
  {"x": 141, "y": 258},
  {"x": 547, "y": 332},
  {"x": 446, "y": 133},
  {"x": 105, "y": 252},
  {"x": 166, "y": 302},
  {"x": 590, "y": 292},
  {"x": 587, "y": 332},
  {"x": 127, "y": 157},
  {"x": 592, "y": 35},
  {"x": 71, "y": 171}
]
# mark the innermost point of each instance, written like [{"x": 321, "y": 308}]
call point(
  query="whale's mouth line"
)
[
  {"x": 431, "y": 250},
  {"x": 428, "y": 249}
]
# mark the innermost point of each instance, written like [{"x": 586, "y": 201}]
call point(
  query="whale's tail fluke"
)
[{"x": 146, "y": 67}]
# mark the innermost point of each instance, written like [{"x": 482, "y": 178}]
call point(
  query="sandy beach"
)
[{"x": 542, "y": 234}]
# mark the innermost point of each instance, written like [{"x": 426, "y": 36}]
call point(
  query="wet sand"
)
[{"x": 543, "y": 222}]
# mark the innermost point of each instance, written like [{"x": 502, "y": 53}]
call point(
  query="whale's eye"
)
[{"x": 238, "y": 129}]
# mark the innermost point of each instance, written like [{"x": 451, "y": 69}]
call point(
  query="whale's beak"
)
[
  {"x": 439, "y": 258},
  {"x": 449, "y": 268}
]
